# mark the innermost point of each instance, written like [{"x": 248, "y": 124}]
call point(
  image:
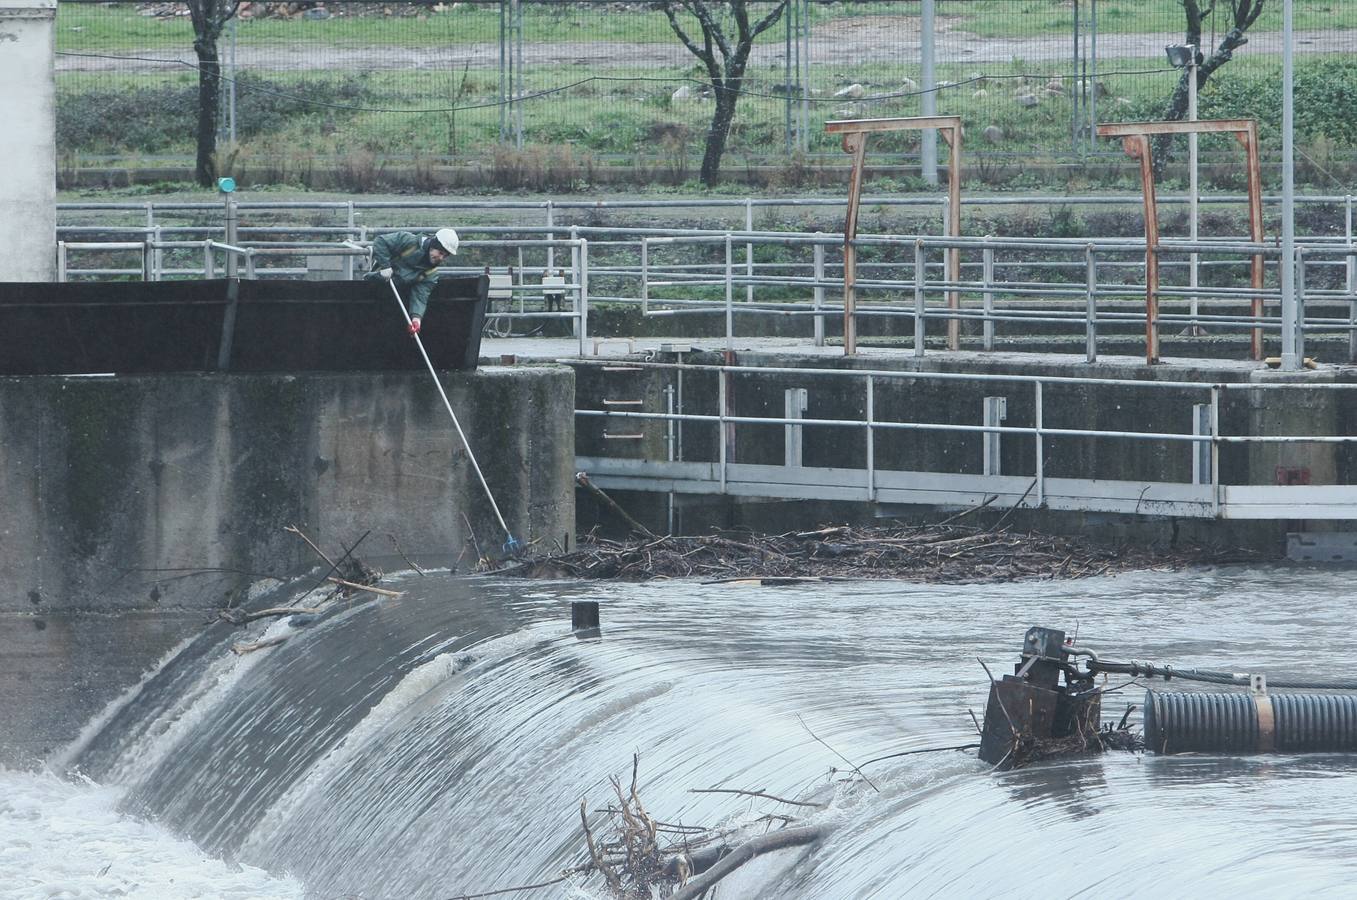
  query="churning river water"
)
[{"x": 440, "y": 744}]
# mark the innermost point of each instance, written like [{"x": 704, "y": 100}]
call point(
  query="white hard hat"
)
[{"x": 447, "y": 239}]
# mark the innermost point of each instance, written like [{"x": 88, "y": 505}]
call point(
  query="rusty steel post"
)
[
  {"x": 953, "y": 138},
  {"x": 855, "y": 143},
  {"x": 855, "y": 133},
  {"x": 1137, "y": 146},
  {"x": 1249, "y": 139},
  {"x": 1135, "y": 140}
]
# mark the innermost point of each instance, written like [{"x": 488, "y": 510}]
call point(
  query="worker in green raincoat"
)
[{"x": 411, "y": 262}]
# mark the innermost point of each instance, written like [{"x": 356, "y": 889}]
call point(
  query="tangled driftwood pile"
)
[{"x": 935, "y": 553}]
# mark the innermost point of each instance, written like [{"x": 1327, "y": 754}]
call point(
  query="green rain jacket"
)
[{"x": 408, "y": 256}]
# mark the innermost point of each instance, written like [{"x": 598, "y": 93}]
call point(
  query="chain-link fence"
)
[{"x": 362, "y": 83}]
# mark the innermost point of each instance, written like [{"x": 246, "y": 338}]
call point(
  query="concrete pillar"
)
[{"x": 28, "y": 222}]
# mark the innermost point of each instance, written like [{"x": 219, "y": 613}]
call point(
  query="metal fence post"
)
[
  {"x": 575, "y": 280},
  {"x": 551, "y": 248},
  {"x": 61, "y": 261},
  {"x": 1091, "y": 305},
  {"x": 995, "y": 411},
  {"x": 349, "y": 236},
  {"x": 871, "y": 441},
  {"x": 987, "y": 263},
  {"x": 749, "y": 250},
  {"x": 795, "y": 404},
  {"x": 645, "y": 275},
  {"x": 231, "y": 234},
  {"x": 147, "y": 261},
  {"x": 818, "y": 293},
  {"x": 209, "y": 264},
  {"x": 918, "y": 298},
  {"x": 1201, "y": 450},
  {"x": 721, "y": 378},
  {"x": 730, "y": 296},
  {"x": 249, "y": 263},
  {"x": 1215, "y": 451},
  {"x": 1041, "y": 449},
  {"x": 584, "y": 294},
  {"x": 1299, "y": 334}
]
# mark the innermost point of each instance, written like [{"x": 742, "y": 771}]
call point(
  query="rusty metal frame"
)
[
  {"x": 855, "y": 133},
  {"x": 1135, "y": 140}
]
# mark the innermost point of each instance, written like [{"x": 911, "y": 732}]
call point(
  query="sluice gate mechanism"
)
[{"x": 1051, "y": 707}]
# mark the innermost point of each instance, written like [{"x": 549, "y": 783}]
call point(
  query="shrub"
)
[{"x": 160, "y": 118}]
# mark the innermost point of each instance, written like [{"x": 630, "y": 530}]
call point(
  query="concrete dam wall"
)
[{"x": 172, "y": 491}]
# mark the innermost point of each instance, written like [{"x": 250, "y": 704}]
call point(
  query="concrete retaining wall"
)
[
  {"x": 28, "y": 223},
  {"x": 173, "y": 491}
]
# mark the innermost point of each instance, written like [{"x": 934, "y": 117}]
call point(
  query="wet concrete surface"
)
[{"x": 59, "y": 671}]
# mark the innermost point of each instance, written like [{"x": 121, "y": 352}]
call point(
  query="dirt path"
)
[{"x": 841, "y": 42}]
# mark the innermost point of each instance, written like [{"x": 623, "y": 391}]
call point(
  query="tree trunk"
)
[
  {"x": 209, "y": 96},
  {"x": 717, "y": 134}
]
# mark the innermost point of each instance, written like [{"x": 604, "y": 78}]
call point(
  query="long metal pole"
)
[
  {"x": 1194, "y": 258},
  {"x": 512, "y": 543},
  {"x": 929, "y": 147},
  {"x": 1290, "y": 361}
]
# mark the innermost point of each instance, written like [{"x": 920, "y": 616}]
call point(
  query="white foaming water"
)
[
  {"x": 63, "y": 759},
  {"x": 66, "y": 840},
  {"x": 215, "y": 683}
]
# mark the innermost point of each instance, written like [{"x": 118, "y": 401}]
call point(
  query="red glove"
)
[{"x": 414, "y": 326}]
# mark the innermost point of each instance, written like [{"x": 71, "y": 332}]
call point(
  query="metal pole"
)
[
  {"x": 551, "y": 248},
  {"x": 1300, "y": 307},
  {"x": 231, "y": 87},
  {"x": 730, "y": 296},
  {"x": 61, "y": 261},
  {"x": 575, "y": 279},
  {"x": 1290, "y": 362},
  {"x": 511, "y": 543},
  {"x": 503, "y": 75},
  {"x": 871, "y": 445},
  {"x": 1093, "y": 66},
  {"x": 1075, "y": 86},
  {"x": 805, "y": 75},
  {"x": 929, "y": 146},
  {"x": 518, "y": 75},
  {"x": 1091, "y": 305},
  {"x": 669, "y": 435},
  {"x": 1041, "y": 450},
  {"x": 1215, "y": 451},
  {"x": 819, "y": 293},
  {"x": 787, "y": 78},
  {"x": 721, "y": 377},
  {"x": 918, "y": 298},
  {"x": 749, "y": 250},
  {"x": 1194, "y": 259},
  {"x": 231, "y": 225},
  {"x": 987, "y": 262},
  {"x": 584, "y": 294}
]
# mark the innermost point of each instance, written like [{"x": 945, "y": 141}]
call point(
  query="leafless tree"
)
[
  {"x": 1242, "y": 14},
  {"x": 209, "y": 18},
  {"x": 725, "y": 60}
]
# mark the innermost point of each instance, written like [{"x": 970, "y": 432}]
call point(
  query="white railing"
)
[{"x": 1210, "y": 493}]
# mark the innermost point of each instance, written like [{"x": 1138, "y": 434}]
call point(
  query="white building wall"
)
[{"x": 27, "y": 141}]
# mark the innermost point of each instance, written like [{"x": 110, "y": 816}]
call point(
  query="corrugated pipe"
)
[{"x": 1250, "y": 723}]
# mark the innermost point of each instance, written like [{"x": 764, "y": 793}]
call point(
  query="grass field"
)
[{"x": 86, "y": 27}]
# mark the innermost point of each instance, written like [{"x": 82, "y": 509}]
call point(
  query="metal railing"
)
[
  {"x": 1061, "y": 283},
  {"x": 1210, "y": 493}
]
